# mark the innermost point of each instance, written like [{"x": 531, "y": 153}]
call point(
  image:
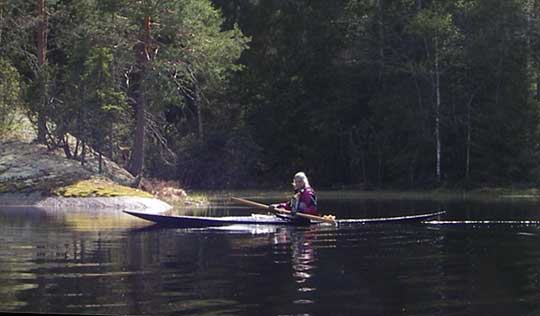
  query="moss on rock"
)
[{"x": 98, "y": 188}]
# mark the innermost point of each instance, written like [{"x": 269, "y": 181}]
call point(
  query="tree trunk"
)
[
  {"x": 363, "y": 166},
  {"x": 100, "y": 162},
  {"x": 142, "y": 57},
  {"x": 528, "y": 10},
  {"x": 468, "y": 157},
  {"x": 41, "y": 54},
  {"x": 83, "y": 153},
  {"x": 111, "y": 142},
  {"x": 500, "y": 64},
  {"x": 197, "y": 101},
  {"x": 469, "y": 137},
  {"x": 380, "y": 23},
  {"x": 537, "y": 86},
  {"x": 438, "y": 110},
  {"x": 412, "y": 168},
  {"x": 65, "y": 145},
  {"x": 137, "y": 161},
  {"x": 379, "y": 165},
  {"x": 76, "y": 151}
]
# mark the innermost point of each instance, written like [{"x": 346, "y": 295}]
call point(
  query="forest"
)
[{"x": 235, "y": 94}]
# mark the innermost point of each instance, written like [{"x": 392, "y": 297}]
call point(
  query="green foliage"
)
[
  {"x": 225, "y": 159},
  {"x": 103, "y": 102},
  {"x": 345, "y": 90},
  {"x": 9, "y": 96},
  {"x": 193, "y": 50},
  {"x": 360, "y": 108},
  {"x": 429, "y": 22}
]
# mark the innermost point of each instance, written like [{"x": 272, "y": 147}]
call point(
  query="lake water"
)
[{"x": 102, "y": 263}]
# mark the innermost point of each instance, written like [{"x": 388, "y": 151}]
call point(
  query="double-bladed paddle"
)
[{"x": 327, "y": 219}]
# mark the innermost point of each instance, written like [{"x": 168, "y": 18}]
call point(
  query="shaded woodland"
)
[{"x": 243, "y": 93}]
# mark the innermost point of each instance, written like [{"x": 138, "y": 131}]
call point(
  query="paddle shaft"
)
[
  {"x": 264, "y": 206},
  {"x": 251, "y": 203}
]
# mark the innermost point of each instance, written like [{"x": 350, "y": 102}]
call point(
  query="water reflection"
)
[
  {"x": 303, "y": 256},
  {"x": 54, "y": 262},
  {"x": 82, "y": 220}
]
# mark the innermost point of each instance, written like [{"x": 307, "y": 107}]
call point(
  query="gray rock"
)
[
  {"x": 28, "y": 167},
  {"x": 148, "y": 205},
  {"x": 36, "y": 200}
]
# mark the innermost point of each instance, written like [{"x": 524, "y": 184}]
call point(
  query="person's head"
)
[{"x": 300, "y": 181}]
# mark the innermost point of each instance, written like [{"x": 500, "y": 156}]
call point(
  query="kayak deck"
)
[
  {"x": 405, "y": 218},
  {"x": 261, "y": 219}
]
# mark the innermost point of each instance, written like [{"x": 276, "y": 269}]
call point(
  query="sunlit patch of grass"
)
[
  {"x": 196, "y": 200},
  {"x": 98, "y": 188}
]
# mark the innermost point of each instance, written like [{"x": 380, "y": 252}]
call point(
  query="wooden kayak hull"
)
[
  {"x": 260, "y": 219},
  {"x": 204, "y": 221}
]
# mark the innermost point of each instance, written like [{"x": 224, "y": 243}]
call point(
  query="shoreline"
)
[
  {"x": 36, "y": 200},
  {"x": 348, "y": 193}
]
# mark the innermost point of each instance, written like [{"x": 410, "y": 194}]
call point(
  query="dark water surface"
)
[{"x": 97, "y": 263}]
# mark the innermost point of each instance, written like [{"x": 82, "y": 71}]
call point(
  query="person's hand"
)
[{"x": 272, "y": 207}]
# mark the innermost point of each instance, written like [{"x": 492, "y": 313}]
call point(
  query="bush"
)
[
  {"x": 220, "y": 161},
  {"x": 9, "y": 97}
]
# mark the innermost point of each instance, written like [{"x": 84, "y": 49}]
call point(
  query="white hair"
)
[{"x": 302, "y": 176}]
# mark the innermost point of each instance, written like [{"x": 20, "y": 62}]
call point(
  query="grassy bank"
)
[{"x": 100, "y": 187}]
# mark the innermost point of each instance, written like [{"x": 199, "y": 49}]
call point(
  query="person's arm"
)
[{"x": 283, "y": 205}]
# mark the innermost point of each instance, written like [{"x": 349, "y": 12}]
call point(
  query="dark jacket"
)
[{"x": 303, "y": 200}]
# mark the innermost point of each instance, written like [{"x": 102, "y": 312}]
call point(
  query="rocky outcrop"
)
[
  {"x": 132, "y": 203},
  {"x": 29, "y": 167},
  {"x": 37, "y": 200},
  {"x": 29, "y": 171},
  {"x": 26, "y": 167},
  {"x": 109, "y": 170}
]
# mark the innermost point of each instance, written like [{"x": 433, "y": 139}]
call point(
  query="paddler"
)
[{"x": 303, "y": 200}]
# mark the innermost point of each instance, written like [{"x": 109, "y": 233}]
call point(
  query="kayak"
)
[
  {"x": 203, "y": 221},
  {"x": 263, "y": 219}
]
